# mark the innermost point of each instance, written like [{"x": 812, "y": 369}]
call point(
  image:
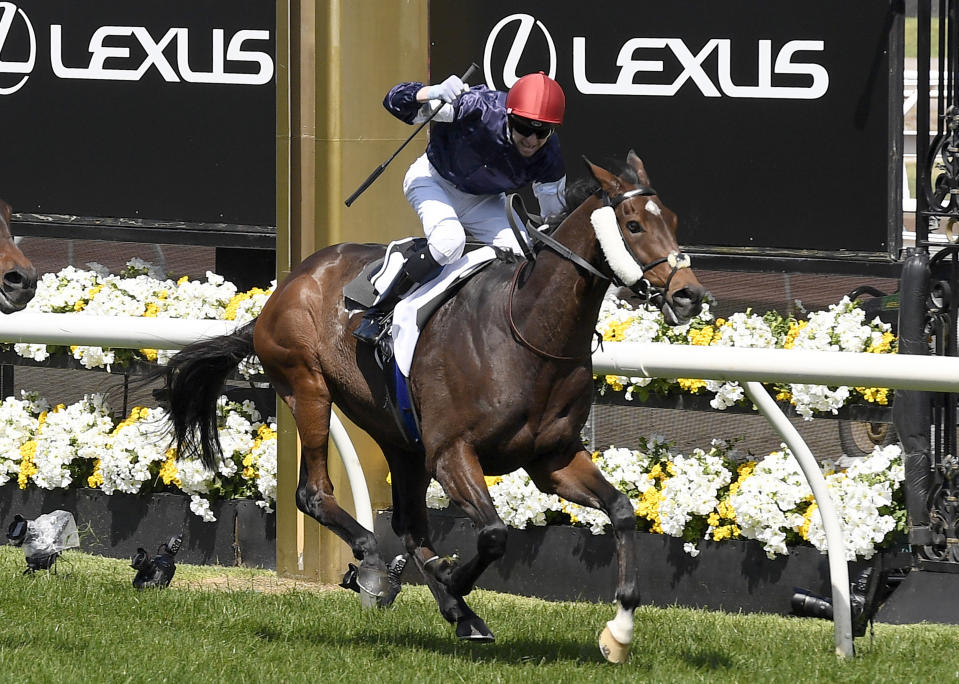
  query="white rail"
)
[
  {"x": 136, "y": 332},
  {"x": 799, "y": 366},
  {"x": 751, "y": 366}
]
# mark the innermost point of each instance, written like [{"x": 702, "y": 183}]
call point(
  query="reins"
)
[
  {"x": 512, "y": 324},
  {"x": 677, "y": 260}
]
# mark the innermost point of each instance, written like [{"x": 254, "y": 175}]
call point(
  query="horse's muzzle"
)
[
  {"x": 17, "y": 288},
  {"x": 684, "y": 304}
]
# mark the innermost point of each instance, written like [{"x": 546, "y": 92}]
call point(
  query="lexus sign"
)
[
  {"x": 768, "y": 127},
  {"x": 155, "y": 109}
]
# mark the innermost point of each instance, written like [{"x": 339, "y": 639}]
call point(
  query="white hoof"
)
[{"x": 611, "y": 649}]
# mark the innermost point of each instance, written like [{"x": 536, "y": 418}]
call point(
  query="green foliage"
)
[
  {"x": 88, "y": 624},
  {"x": 912, "y": 37}
]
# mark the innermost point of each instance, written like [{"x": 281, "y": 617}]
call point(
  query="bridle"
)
[{"x": 639, "y": 285}]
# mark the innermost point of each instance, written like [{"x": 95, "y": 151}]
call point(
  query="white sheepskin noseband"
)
[{"x": 614, "y": 249}]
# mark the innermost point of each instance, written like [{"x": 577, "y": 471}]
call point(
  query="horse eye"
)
[{"x": 634, "y": 226}]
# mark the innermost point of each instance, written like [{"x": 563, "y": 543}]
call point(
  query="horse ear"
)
[
  {"x": 609, "y": 182},
  {"x": 637, "y": 165}
]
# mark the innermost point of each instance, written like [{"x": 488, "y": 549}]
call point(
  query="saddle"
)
[{"x": 394, "y": 363}]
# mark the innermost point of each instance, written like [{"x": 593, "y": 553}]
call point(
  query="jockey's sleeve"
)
[
  {"x": 551, "y": 196},
  {"x": 401, "y": 101}
]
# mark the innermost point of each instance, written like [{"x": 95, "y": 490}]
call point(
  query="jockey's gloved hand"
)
[{"x": 448, "y": 90}]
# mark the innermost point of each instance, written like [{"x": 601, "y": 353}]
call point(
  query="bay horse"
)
[
  {"x": 502, "y": 379},
  {"x": 18, "y": 277}
]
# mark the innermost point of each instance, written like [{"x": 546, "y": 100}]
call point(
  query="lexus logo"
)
[
  {"x": 8, "y": 65},
  {"x": 516, "y": 50}
]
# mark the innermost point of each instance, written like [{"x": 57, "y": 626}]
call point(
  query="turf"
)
[{"x": 87, "y": 624}]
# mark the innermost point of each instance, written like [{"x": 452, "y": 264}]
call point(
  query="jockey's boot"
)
[{"x": 419, "y": 267}]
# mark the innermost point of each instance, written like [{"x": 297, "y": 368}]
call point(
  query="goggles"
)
[{"x": 526, "y": 128}]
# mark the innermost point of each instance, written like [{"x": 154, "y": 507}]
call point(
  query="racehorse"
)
[
  {"x": 18, "y": 282},
  {"x": 502, "y": 379}
]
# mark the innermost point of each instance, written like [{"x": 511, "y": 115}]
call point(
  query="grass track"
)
[{"x": 87, "y": 624}]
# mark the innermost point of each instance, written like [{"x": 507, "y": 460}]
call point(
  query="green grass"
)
[
  {"x": 87, "y": 624},
  {"x": 912, "y": 37}
]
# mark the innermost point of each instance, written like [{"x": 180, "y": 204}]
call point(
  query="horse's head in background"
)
[
  {"x": 637, "y": 234},
  {"x": 18, "y": 277}
]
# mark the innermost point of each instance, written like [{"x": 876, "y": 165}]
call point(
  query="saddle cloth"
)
[{"x": 412, "y": 312}]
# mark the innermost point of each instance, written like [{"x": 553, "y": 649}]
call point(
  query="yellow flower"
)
[
  {"x": 250, "y": 474},
  {"x": 616, "y": 331},
  {"x": 151, "y": 310},
  {"x": 794, "y": 329},
  {"x": 726, "y": 510},
  {"x": 492, "y": 480},
  {"x": 183, "y": 280},
  {"x": 702, "y": 337},
  {"x": 248, "y": 460},
  {"x": 239, "y": 298},
  {"x": 96, "y": 479},
  {"x": 884, "y": 346},
  {"x": 803, "y": 529},
  {"x": 149, "y": 354},
  {"x": 168, "y": 469},
  {"x": 691, "y": 385},
  {"x": 875, "y": 395},
  {"x": 27, "y": 467},
  {"x": 614, "y": 383}
]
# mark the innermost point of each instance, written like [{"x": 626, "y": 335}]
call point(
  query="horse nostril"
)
[
  {"x": 689, "y": 299},
  {"x": 19, "y": 279}
]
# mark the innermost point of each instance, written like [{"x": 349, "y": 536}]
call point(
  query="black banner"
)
[
  {"x": 764, "y": 125},
  {"x": 154, "y": 109}
]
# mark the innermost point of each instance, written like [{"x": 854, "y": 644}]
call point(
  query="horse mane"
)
[{"x": 581, "y": 189}]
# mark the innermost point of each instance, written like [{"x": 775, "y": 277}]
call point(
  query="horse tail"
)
[{"x": 193, "y": 380}]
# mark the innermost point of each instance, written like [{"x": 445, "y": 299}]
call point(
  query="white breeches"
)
[{"x": 447, "y": 213}]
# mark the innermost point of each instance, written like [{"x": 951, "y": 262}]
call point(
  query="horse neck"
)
[{"x": 561, "y": 296}]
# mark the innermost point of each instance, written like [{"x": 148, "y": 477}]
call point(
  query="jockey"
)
[{"x": 484, "y": 144}]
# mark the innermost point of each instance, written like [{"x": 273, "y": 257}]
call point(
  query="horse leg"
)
[
  {"x": 576, "y": 478},
  {"x": 459, "y": 472},
  {"x": 411, "y": 524},
  {"x": 311, "y": 406}
]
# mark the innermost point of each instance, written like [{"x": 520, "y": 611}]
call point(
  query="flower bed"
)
[
  {"x": 719, "y": 494},
  {"x": 843, "y": 327},
  {"x": 712, "y": 494},
  {"x": 82, "y": 445}
]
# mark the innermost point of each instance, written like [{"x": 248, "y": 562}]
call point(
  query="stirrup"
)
[{"x": 370, "y": 329}]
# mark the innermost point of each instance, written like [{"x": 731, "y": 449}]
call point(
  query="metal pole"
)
[{"x": 836, "y": 544}]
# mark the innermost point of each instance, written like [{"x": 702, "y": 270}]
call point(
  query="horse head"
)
[
  {"x": 18, "y": 277},
  {"x": 637, "y": 235}
]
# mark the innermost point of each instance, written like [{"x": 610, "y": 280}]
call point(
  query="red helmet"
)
[{"x": 537, "y": 97}]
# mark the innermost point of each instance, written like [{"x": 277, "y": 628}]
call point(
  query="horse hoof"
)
[
  {"x": 611, "y": 649},
  {"x": 475, "y": 630},
  {"x": 374, "y": 586}
]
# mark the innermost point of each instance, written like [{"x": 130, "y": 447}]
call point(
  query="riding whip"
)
[{"x": 382, "y": 167}]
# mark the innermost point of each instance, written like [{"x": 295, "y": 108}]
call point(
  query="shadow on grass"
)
[{"x": 551, "y": 649}]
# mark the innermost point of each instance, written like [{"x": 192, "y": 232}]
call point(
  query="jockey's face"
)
[{"x": 528, "y": 136}]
